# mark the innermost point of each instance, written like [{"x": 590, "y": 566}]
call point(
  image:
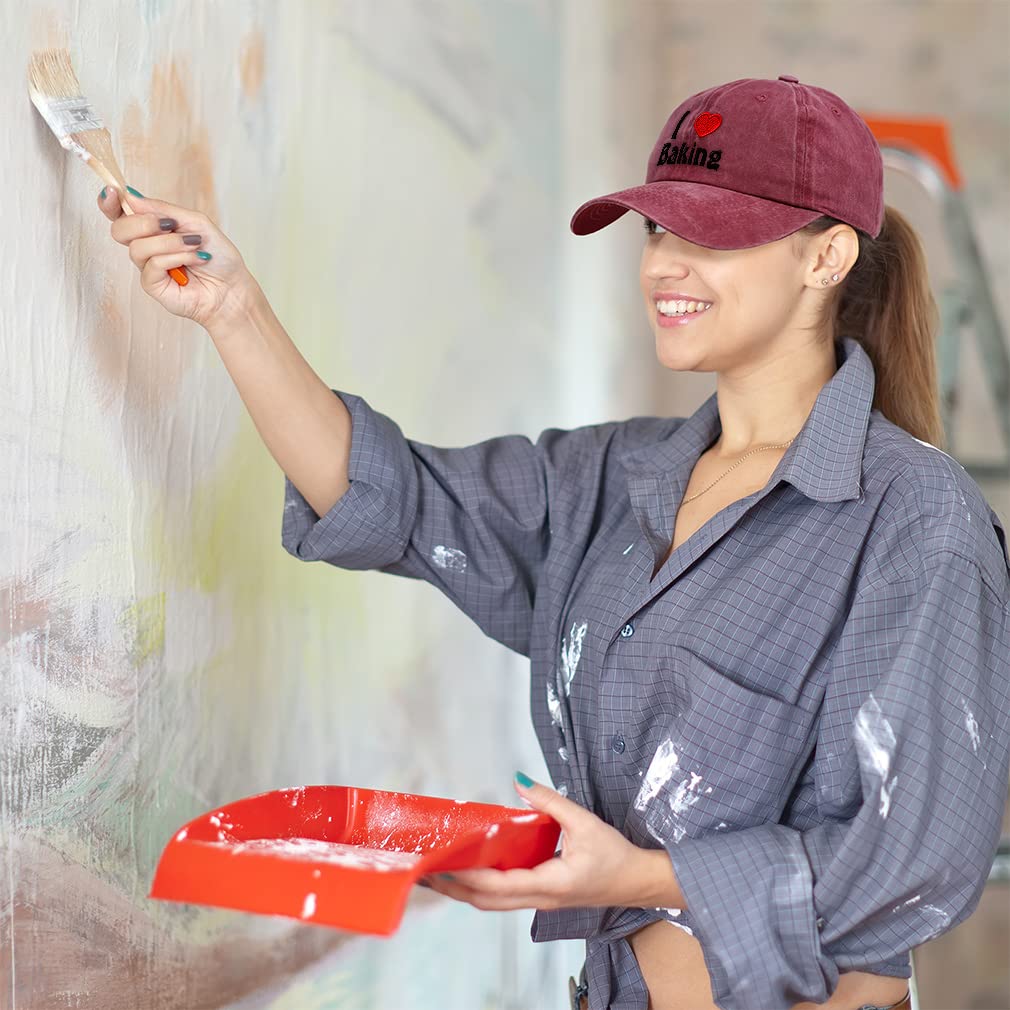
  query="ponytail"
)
[{"x": 886, "y": 303}]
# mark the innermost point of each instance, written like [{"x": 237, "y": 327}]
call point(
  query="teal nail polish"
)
[
  {"x": 130, "y": 189},
  {"x": 523, "y": 779},
  {"x": 445, "y": 876},
  {"x": 204, "y": 255},
  {"x": 101, "y": 196}
]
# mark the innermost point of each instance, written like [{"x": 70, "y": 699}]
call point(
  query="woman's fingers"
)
[
  {"x": 110, "y": 205},
  {"x": 154, "y": 271},
  {"x": 142, "y": 249},
  {"x": 149, "y": 217}
]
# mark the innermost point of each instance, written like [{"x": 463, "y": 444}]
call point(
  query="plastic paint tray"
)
[{"x": 339, "y": 855}]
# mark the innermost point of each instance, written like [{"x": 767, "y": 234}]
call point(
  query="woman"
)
[{"x": 768, "y": 641}]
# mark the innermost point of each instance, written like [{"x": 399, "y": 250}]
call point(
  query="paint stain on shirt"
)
[
  {"x": 875, "y": 743},
  {"x": 450, "y": 558},
  {"x": 571, "y": 654}
]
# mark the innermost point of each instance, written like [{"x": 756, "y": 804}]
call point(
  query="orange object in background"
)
[{"x": 339, "y": 855}]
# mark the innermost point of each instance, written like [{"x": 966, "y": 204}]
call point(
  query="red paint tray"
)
[{"x": 339, "y": 855}]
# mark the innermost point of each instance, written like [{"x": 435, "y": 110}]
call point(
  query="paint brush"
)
[{"x": 56, "y": 93}]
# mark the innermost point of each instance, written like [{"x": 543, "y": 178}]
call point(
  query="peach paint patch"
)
[{"x": 250, "y": 63}]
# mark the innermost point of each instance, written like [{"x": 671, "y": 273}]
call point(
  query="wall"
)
[{"x": 162, "y": 653}]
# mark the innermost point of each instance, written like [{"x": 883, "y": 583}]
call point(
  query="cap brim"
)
[{"x": 705, "y": 215}]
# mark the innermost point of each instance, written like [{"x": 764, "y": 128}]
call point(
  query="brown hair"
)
[{"x": 886, "y": 303}]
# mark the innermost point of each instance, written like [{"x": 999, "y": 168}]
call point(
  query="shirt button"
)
[
  {"x": 627, "y": 631},
  {"x": 617, "y": 743},
  {"x": 820, "y": 923}
]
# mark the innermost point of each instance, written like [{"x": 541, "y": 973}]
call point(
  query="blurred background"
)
[{"x": 161, "y": 653}]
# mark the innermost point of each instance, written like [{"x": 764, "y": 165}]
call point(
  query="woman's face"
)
[{"x": 760, "y": 299}]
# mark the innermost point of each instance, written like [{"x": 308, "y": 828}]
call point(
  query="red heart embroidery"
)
[{"x": 706, "y": 123}]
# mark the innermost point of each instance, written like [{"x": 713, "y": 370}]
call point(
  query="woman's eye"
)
[{"x": 651, "y": 227}]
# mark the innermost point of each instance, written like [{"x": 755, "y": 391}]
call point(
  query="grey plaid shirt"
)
[{"x": 807, "y": 708}]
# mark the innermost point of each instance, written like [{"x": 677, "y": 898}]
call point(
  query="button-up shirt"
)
[{"x": 807, "y": 707}]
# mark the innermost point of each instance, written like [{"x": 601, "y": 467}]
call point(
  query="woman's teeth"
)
[{"x": 681, "y": 308}]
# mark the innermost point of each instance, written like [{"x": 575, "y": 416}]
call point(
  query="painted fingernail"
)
[
  {"x": 192, "y": 239},
  {"x": 101, "y": 196},
  {"x": 168, "y": 223},
  {"x": 203, "y": 255},
  {"x": 445, "y": 876},
  {"x": 523, "y": 779},
  {"x": 130, "y": 189}
]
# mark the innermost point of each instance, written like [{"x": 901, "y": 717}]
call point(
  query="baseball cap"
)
[{"x": 752, "y": 161}]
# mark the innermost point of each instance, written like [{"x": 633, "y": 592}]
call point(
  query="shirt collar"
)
[{"x": 825, "y": 459}]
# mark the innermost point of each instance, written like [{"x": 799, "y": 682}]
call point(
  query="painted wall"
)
[{"x": 161, "y": 653}]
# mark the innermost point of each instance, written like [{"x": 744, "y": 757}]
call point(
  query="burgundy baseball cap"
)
[{"x": 750, "y": 162}]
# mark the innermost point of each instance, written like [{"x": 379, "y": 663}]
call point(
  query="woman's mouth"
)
[{"x": 679, "y": 313}]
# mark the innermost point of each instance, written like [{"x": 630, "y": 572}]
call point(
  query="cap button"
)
[{"x": 790, "y": 78}]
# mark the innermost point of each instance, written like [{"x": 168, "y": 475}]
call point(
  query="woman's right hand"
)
[{"x": 220, "y": 289}]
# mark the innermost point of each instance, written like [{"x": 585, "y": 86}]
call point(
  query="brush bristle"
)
[{"x": 51, "y": 74}]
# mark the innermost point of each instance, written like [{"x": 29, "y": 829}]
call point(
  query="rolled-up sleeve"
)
[
  {"x": 911, "y": 774},
  {"x": 472, "y": 521}
]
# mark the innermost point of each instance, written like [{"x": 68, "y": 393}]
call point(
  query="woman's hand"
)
[
  {"x": 220, "y": 289},
  {"x": 597, "y": 866}
]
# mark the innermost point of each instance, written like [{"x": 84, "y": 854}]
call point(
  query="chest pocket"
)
[{"x": 722, "y": 756}]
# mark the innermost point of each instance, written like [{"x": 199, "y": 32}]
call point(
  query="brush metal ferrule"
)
[{"x": 69, "y": 115}]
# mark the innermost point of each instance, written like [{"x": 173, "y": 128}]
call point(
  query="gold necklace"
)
[{"x": 779, "y": 445}]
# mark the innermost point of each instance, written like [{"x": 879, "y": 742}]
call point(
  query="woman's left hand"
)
[{"x": 597, "y": 865}]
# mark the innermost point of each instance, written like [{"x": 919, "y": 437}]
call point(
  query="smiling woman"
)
[{"x": 810, "y": 301}]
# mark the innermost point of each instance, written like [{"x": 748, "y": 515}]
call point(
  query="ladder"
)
[{"x": 921, "y": 149}]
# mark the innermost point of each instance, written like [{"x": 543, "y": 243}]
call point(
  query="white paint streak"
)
[
  {"x": 929, "y": 445},
  {"x": 628, "y": 548},
  {"x": 660, "y": 769},
  {"x": 685, "y": 796},
  {"x": 449, "y": 558},
  {"x": 875, "y": 743},
  {"x": 338, "y": 853},
  {"x": 971, "y": 725},
  {"x": 905, "y": 904},
  {"x": 938, "y": 918},
  {"x": 571, "y": 654},
  {"x": 554, "y": 706}
]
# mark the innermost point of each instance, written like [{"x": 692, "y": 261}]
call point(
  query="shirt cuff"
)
[
  {"x": 370, "y": 524},
  {"x": 750, "y": 893}
]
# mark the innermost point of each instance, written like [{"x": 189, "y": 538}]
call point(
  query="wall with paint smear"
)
[{"x": 162, "y": 653}]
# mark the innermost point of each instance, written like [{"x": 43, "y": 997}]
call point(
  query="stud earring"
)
[{"x": 834, "y": 277}]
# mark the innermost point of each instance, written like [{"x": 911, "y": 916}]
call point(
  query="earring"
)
[{"x": 834, "y": 277}]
